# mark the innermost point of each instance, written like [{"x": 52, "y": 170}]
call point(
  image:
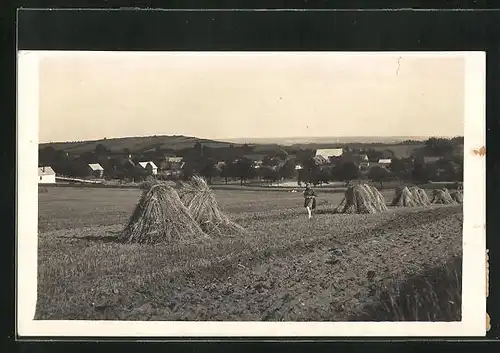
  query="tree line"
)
[{"x": 277, "y": 163}]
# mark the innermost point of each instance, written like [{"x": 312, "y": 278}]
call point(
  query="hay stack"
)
[
  {"x": 442, "y": 196},
  {"x": 403, "y": 198},
  {"x": 362, "y": 198},
  {"x": 200, "y": 200},
  {"x": 160, "y": 216},
  {"x": 379, "y": 198},
  {"x": 148, "y": 183},
  {"x": 420, "y": 196},
  {"x": 411, "y": 197},
  {"x": 457, "y": 196}
]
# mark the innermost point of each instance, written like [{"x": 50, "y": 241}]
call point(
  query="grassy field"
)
[{"x": 404, "y": 264}]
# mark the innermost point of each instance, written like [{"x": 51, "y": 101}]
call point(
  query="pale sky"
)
[{"x": 95, "y": 95}]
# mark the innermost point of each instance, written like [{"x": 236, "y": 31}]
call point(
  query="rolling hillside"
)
[
  {"x": 145, "y": 143},
  {"x": 135, "y": 144}
]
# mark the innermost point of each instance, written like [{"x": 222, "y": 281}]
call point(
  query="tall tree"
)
[
  {"x": 269, "y": 174},
  {"x": 310, "y": 171},
  {"x": 208, "y": 170},
  {"x": 401, "y": 168},
  {"x": 244, "y": 169},
  {"x": 198, "y": 148},
  {"x": 324, "y": 175},
  {"x": 227, "y": 171},
  {"x": 438, "y": 146},
  {"x": 346, "y": 172},
  {"x": 373, "y": 154},
  {"x": 420, "y": 172},
  {"x": 379, "y": 174},
  {"x": 47, "y": 155},
  {"x": 287, "y": 170}
]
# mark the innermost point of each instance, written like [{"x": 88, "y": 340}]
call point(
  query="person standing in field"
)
[{"x": 309, "y": 200}]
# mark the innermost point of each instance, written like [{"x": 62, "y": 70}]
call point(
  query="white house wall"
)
[{"x": 47, "y": 179}]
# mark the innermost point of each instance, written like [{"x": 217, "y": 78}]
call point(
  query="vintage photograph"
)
[{"x": 252, "y": 187}]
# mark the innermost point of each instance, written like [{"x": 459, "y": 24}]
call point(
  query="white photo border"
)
[{"x": 474, "y": 228}]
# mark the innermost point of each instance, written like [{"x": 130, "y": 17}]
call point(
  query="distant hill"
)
[
  {"x": 329, "y": 140},
  {"x": 171, "y": 144},
  {"x": 136, "y": 144}
]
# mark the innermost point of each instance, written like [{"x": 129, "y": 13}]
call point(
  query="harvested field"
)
[{"x": 335, "y": 267}]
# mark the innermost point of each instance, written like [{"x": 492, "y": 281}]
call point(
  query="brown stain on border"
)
[{"x": 481, "y": 151}]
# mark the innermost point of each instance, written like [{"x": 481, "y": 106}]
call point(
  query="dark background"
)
[{"x": 401, "y": 30}]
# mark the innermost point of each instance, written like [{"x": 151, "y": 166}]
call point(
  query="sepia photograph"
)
[{"x": 263, "y": 193}]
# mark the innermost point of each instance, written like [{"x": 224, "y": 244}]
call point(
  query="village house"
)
[
  {"x": 328, "y": 154},
  {"x": 364, "y": 166},
  {"x": 364, "y": 157},
  {"x": 96, "y": 170},
  {"x": 278, "y": 165},
  {"x": 150, "y": 167},
  {"x": 46, "y": 175},
  {"x": 174, "y": 159},
  {"x": 431, "y": 159},
  {"x": 384, "y": 162},
  {"x": 251, "y": 157},
  {"x": 255, "y": 159},
  {"x": 169, "y": 166},
  {"x": 361, "y": 160},
  {"x": 220, "y": 165},
  {"x": 257, "y": 164},
  {"x": 320, "y": 160},
  {"x": 172, "y": 163}
]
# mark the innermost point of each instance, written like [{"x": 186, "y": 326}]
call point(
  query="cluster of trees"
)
[
  {"x": 277, "y": 163},
  {"x": 244, "y": 169},
  {"x": 446, "y": 169},
  {"x": 441, "y": 146}
]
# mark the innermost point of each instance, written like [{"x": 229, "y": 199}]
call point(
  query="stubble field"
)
[{"x": 404, "y": 264}]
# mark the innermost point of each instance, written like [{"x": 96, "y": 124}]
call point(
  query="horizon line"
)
[{"x": 228, "y": 139}]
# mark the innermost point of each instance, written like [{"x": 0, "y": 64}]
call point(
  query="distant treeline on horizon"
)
[{"x": 285, "y": 141}]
